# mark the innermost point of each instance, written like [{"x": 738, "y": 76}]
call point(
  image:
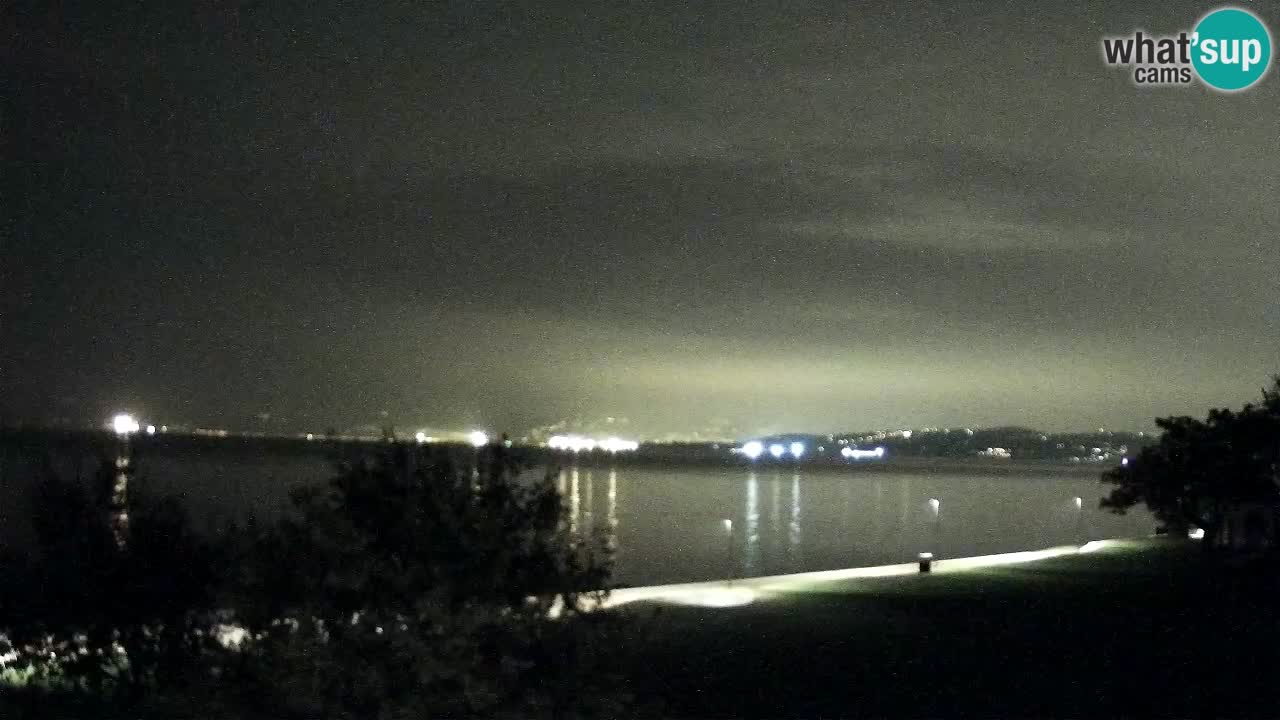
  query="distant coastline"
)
[{"x": 673, "y": 455}]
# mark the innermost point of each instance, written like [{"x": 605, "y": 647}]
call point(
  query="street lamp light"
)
[{"x": 124, "y": 424}]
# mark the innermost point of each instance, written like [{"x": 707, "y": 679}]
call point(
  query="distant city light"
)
[
  {"x": 1196, "y": 533},
  {"x": 797, "y": 449},
  {"x": 124, "y": 424},
  {"x": 151, "y": 429},
  {"x": 854, "y": 454},
  {"x": 1124, "y": 462},
  {"x": 1079, "y": 503},
  {"x": 728, "y": 525},
  {"x": 578, "y": 443},
  {"x": 478, "y": 438},
  {"x": 776, "y": 450},
  {"x": 614, "y": 445},
  {"x": 935, "y": 505},
  {"x": 752, "y": 449},
  {"x": 311, "y": 436},
  {"x": 422, "y": 437}
]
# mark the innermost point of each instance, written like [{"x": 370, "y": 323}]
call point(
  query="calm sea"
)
[{"x": 684, "y": 524}]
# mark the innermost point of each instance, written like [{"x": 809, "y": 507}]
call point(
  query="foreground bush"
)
[
  {"x": 413, "y": 588},
  {"x": 408, "y": 586},
  {"x": 83, "y": 612}
]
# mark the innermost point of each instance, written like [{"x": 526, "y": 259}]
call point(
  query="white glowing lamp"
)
[
  {"x": 753, "y": 449},
  {"x": 124, "y": 424},
  {"x": 797, "y": 449},
  {"x": 478, "y": 439},
  {"x": 776, "y": 450}
]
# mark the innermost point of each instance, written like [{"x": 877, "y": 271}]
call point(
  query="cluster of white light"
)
[
  {"x": 422, "y": 437},
  {"x": 124, "y": 424},
  {"x": 754, "y": 449},
  {"x": 478, "y": 438},
  {"x": 855, "y": 454},
  {"x": 578, "y": 443},
  {"x": 614, "y": 444}
]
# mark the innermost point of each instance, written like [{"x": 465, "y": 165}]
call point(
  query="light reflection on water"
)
[
  {"x": 668, "y": 525},
  {"x": 751, "y": 551},
  {"x": 794, "y": 547},
  {"x": 613, "y": 513}
]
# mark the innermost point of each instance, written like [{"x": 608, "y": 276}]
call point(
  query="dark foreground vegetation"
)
[
  {"x": 408, "y": 587},
  {"x": 1220, "y": 475}
]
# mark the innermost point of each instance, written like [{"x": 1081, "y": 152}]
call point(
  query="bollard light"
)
[{"x": 926, "y": 562}]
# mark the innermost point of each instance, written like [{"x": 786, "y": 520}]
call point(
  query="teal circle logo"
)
[{"x": 1231, "y": 49}]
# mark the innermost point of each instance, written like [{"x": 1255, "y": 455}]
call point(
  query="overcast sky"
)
[{"x": 777, "y": 215}]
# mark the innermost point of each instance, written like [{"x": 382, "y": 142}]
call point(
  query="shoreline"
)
[{"x": 653, "y": 455}]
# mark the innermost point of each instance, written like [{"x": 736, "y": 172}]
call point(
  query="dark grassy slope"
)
[{"x": 1146, "y": 629}]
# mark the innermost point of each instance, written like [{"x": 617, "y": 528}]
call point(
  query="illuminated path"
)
[{"x": 733, "y": 593}]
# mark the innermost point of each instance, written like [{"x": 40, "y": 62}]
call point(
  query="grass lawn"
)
[
  {"x": 1153, "y": 628},
  {"x": 1141, "y": 628}
]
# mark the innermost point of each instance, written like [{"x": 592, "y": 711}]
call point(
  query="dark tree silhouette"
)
[
  {"x": 91, "y": 602},
  {"x": 414, "y": 586},
  {"x": 1201, "y": 469}
]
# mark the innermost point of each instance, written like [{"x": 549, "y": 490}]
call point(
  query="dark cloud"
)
[{"x": 816, "y": 215}]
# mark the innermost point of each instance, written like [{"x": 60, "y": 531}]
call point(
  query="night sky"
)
[{"x": 783, "y": 215}]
